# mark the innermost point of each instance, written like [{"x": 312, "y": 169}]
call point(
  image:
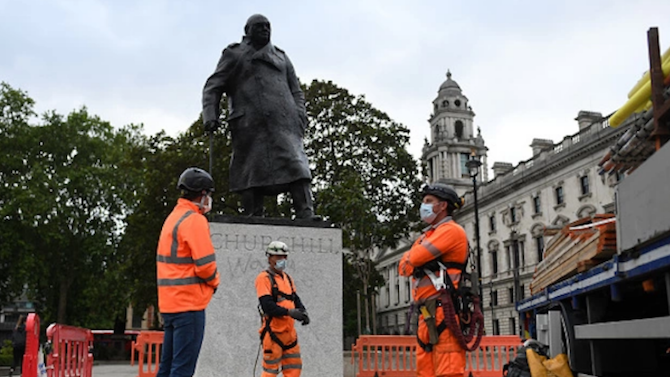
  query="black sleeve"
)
[
  {"x": 271, "y": 308},
  {"x": 298, "y": 302}
]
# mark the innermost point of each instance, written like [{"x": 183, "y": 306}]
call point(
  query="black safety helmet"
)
[
  {"x": 195, "y": 180},
  {"x": 445, "y": 192}
]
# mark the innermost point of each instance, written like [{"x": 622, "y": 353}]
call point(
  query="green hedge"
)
[
  {"x": 6, "y": 354},
  {"x": 5, "y": 360}
]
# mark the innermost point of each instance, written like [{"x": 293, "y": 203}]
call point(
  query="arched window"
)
[
  {"x": 459, "y": 129},
  {"x": 445, "y": 103},
  {"x": 560, "y": 220},
  {"x": 586, "y": 210}
]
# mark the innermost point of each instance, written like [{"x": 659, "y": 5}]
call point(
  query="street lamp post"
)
[{"x": 473, "y": 167}]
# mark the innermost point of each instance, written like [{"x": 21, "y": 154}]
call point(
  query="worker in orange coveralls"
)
[
  {"x": 439, "y": 354},
  {"x": 281, "y": 307}
]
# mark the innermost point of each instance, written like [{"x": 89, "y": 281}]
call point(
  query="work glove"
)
[
  {"x": 212, "y": 125},
  {"x": 306, "y": 320},
  {"x": 297, "y": 314}
]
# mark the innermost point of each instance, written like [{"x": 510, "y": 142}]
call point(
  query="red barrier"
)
[
  {"x": 70, "y": 354},
  {"x": 148, "y": 346},
  {"x": 395, "y": 356},
  {"x": 29, "y": 365}
]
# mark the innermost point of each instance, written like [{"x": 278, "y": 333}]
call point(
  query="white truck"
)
[{"x": 614, "y": 319}]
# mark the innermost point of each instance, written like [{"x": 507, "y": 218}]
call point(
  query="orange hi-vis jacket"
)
[
  {"x": 445, "y": 241},
  {"x": 185, "y": 261},
  {"x": 285, "y": 286}
]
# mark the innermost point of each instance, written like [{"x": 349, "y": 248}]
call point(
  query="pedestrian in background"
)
[{"x": 19, "y": 344}]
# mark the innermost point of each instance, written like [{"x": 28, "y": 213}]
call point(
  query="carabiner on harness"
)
[{"x": 439, "y": 280}]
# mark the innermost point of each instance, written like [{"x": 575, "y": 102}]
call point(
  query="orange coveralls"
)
[
  {"x": 447, "y": 242},
  {"x": 283, "y": 327}
]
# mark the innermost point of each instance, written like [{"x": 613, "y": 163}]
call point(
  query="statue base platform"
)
[{"x": 231, "y": 343}]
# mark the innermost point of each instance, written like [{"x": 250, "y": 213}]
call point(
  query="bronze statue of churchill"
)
[{"x": 267, "y": 120}]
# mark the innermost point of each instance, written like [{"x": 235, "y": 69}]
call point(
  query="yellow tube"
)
[
  {"x": 645, "y": 78},
  {"x": 639, "y": 98},
  {"x": 645, "y": 106}
]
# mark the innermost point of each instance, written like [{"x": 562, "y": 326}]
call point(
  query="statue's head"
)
[{"x": 257, "y": 30}]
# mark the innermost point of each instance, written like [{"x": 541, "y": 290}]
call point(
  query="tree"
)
[
  {"x": 365, "y": 180},
  {"x": 16, "y": 109},
  {"x": 66, "y": 195},
  {"x": 161, "y": 161}
]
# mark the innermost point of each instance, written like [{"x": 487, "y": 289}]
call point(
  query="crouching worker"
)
[
  {"x": 444, "y": 241},
  {"x": 280, "y": 307}
]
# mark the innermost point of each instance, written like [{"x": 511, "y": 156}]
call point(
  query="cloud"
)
[{"x": 527, "y": 67}]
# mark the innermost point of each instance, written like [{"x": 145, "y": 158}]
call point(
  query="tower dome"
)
[{"x": 450, "y": 86}]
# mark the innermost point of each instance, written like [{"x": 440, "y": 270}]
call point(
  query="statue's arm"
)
[
  {"x": 294, "y": 85},
  {"x": 216, "y": 85}
]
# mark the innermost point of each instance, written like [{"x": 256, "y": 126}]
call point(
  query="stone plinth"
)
[{"x": 231, "y": 343}]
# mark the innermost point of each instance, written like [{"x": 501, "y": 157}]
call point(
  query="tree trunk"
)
[
  {"x": 367, "y": 307},
  {"x": 373, "y": 300},
  {"x": 62, "y": 300}
]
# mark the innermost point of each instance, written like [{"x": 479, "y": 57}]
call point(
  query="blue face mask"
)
[
  {"x": 281, "y": 265},
  {"x": 426, "y": 213}
]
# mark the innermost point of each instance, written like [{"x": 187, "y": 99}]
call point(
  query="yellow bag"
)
[{"x": 540, "y": 366}]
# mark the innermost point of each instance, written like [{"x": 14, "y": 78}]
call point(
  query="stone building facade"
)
[{"x": 557, "y": 185}]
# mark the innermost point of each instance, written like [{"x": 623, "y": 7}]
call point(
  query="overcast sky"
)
[{"x": 527, "y": 67}]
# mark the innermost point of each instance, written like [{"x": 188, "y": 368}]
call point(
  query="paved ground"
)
[{"x": 125, "y": 370}]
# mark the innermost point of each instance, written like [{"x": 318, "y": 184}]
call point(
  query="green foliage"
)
[
  {"x": 64, "y": 199},
  {"x": 365, "y": 180},
  {"x": 6, "y": 353},
  {"x": 82, "y": 203}
]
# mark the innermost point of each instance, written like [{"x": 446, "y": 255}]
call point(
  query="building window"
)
[
  {"x": 397, "y": 291},
  {"x": 496, "y": 327},
  {"x": 537, "y": 205},
  {"x": 492, "y": 223},
  {"x": 494, "y": 298},
  {"x": 494, "y": 261},
  {"x": 459, "y": 129},
  {"x": 465, "y": 173},
  {"x": 510, "y": 290},
  {"x": 512, "y": 215},
  {"x": 408, "y": 290},
  {"x": 539, "y": 247},
  {"x": 521, "y": 292},
  {"x": 584, "y": 181},
  {"x": 512, "y": 326},
  {"x": 559, "y": 195}
]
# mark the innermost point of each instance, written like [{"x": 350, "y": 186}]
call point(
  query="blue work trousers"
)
[{"x": 182, "y": 339}]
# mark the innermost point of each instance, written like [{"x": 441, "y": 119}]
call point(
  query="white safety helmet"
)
[{"x": 277, "y": 248}]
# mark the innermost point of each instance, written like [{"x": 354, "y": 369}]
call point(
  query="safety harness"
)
[
  {"x": 462, "y": 302},
  {"x": 277, "y": 296}
]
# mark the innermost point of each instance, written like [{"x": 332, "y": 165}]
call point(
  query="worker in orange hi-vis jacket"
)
[
  {"x": 187, "y": 274},
  {"x": 439, "y": 353},
  {"x": 280, "y": 306}
]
